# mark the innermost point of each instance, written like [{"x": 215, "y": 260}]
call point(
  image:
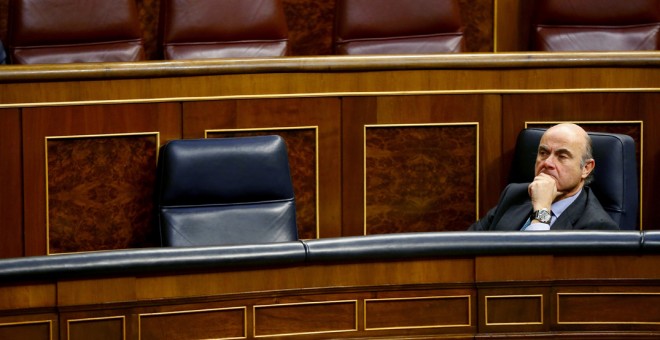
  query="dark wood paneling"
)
[
  {"x": 26, "y": 330},
  {"x": 211, "y": 323},
  {"x": 110, "y": 328},
  {"x": 305, "y": 318},
  {"x": 569, "y": 296},
  {"x": 38, "y": 123},
  {"x": 397, "y": 110},
  {"x": 515, "y": 309},
  {"x": 262, "y": 116},
  {"x": 310, "y": 26},
  {"x": 608, "y": 308},
  {"x": 478, "y": 19},
  {"x": 618, "y": 112},
  {"x": 11, "y": 205},
  {"x": 519, "y": 309},
  {"x": 420, "y": 312}
]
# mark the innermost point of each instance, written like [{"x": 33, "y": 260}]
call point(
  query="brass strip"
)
[
  {"x": 323, "y": 64},
  {"x": 540, "y": 296},
  {"x": 328, "y": 94},
  {"x": 47, "y": 138},
  {"x": 191, "y": 311},
  {"x": 495, "y": 25},
  {"x": 316, "y": 156},
  {"x": 559, "y": 322},
  {"x": 469, "y": 299},
  {"x": 254, "y": 310},
  {"x": 364, "y": 160}
]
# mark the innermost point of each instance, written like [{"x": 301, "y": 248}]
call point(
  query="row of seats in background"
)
[{"x": 64, "y": 31}]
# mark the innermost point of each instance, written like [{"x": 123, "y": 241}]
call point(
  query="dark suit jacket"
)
[{"x": 515, "y": 206}]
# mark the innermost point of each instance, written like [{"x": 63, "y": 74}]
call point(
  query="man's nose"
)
[{"x": 550, "y": 161}]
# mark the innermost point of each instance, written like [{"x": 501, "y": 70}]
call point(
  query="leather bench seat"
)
[{"x": 341, "y": 249}]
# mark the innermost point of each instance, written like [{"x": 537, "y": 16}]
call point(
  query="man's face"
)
[{"x": 559, "y": 156}]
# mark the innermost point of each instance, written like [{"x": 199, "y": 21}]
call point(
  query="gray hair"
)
[{"x": 587, "y": 156}]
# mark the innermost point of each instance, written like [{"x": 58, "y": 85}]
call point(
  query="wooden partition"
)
[
  {"x": 571, "y": 296},
  {"x": 379, "y": 144}
]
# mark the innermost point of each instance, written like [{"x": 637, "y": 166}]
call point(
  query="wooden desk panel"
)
[{"x": 417, "y": 297}]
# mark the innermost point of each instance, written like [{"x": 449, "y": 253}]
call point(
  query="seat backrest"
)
[
  {"x": 615, "y": 175},
  {"x": 596, "y": 25},
  {"x": 398, "y": 27},
  {"x": 69, "y": 31},
  {"x": 201, "y": 29},
  {"x": 225, "y": 191},
  {"x": 3, "y": 54}
]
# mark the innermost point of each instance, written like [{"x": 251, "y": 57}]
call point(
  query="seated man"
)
[{"x": 557, "y": 199}]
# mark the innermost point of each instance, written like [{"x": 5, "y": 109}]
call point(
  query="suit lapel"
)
[
  {"x": 515, "y": 217},
  {"x": 569, "y": 217}
]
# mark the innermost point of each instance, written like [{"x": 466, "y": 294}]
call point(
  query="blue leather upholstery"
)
[
  {"x": 225, "y": 191},
  {"x": 615, "y": 176},
  {"x": 461, "y": 243},
  {"x": 142, "y": 261},
  {"x": 328, "y": 250},
  {"x": 651, "y": 241}
]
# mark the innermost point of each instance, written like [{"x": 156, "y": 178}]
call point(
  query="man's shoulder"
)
[
  {"x": 515, "y": 189},
  {"x": 596, "y": 212}
]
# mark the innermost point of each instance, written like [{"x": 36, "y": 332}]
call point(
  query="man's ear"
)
[{"x": 588, "y": 168}]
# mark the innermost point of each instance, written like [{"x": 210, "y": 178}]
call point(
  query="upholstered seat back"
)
[
  {"x": 225, "y": 191},
  {"x": 597, "y": 25},
  {"x": 69, "y": 31},
  {"x": 398, "y": 27},
  {"x": 201, "y": 29},
  {"x": 615, "y": 176}
]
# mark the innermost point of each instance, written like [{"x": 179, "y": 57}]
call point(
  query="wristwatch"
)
[{"x": 541, "y": 215}]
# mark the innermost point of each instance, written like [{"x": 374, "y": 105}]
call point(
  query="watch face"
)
[{"x": 543, "y": 216}]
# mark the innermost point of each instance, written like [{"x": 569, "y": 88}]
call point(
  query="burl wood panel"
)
[
  {"x": 100, "y": 192},
  {"x": 109, "y": 328},
  {"x": 38, "y": 123},
  {"x": 305, "y": 318},
  {"x": 301, "y": 148},
  {"x": 420, "y": 178},
  {"x": 310, "y": 25},
  {"x": 422, "y": 312},
  {"x": 200, "y": 324}
]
